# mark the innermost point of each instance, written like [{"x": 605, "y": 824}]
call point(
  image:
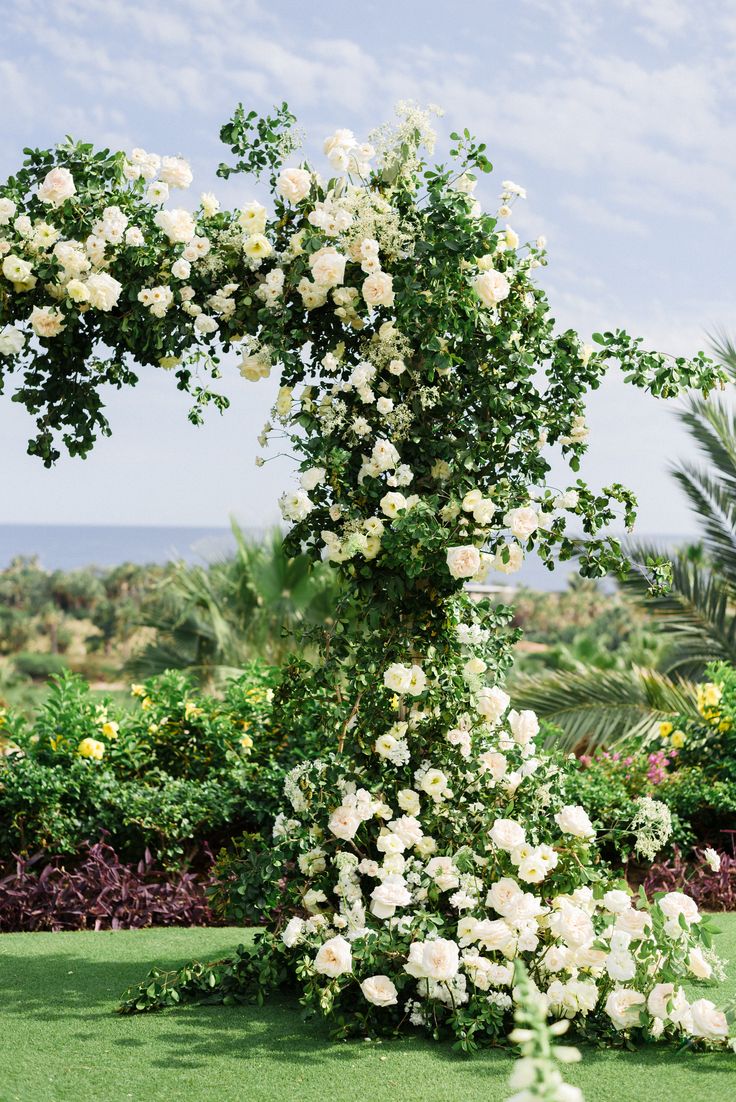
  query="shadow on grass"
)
[{"x": 74, "y": 994}]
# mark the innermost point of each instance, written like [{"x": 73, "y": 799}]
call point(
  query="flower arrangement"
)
[{"x": 423, "y": 384}]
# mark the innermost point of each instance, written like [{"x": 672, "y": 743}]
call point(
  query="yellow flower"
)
[
  {"x": 146, "y": 703},
  {"x": 712, "y": 694},
  {"x": 665, "y": 729},
  {"x": 91, "y": 748},
  {"x": 246, "y": 742},
  {"x": 678, "y": 739},
  {"x": 3, "y": 716},
  {"x": 191, "y": 711},
  {"x": 110, "y": 729},
  {"x": 725, "y": 724},
  {"x": 138, "y": 690}
]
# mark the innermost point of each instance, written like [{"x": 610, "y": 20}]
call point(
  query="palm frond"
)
[
  {"x": 697, "y": 615},
  {"x": 715, "y": 503},
  {"x": 601, "y": 707}
]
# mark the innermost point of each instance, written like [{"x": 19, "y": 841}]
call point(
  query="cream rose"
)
[
  {"x": 380, "y": 991},
  {"x": 178, "y": 225},
  {"x": 437, "y": 960},
  {"x": 11, "y": 341},
  {"x": 344, "y": 822},
  {"x": 56, "y": 187},
  {"x": 293, "y": 184},
  {"x": 524, "y": 726},
  {"x": 328, "y": 267},
  {"x": 104, "y": 291},
  {"x": 378, "y": 289},
  {"x": 491, "y": 287},
  {"x": 624, "y": 1006},
  {"x": 463, "y": 562},
  {"x": 707, "y": 1021},
  {"x": 176, "y": 172},
  {"x": 46, "y": 321},
  {"x": 574, "y": 820},
  {"x": 389, "y": 895},
  {"x": 507, "y": 834},
  {"x": 334, "y": 957},
  {"x": 523, "y": 522}
]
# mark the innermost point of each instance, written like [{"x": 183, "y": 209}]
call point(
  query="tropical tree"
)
[
  {"x": 213, "y": 619},
  {"x": 696, "y": 618}
]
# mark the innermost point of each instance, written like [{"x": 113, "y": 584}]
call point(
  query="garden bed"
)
[{"x": 61, "y": 1041}]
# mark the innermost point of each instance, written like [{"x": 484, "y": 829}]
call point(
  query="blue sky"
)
[{"x": 617, "y": 115}]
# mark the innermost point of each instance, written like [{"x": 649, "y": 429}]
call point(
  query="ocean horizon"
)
[{"x": 72, "y": 546}]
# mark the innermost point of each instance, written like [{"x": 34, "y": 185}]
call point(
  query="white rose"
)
[
  {"x": 617, "y": 902},
  {"x": 659, "y": 996},
  {"x": 574, "y": 820},
  {"x": 292, "y": 932},
  {"x": 524, "y": 726},
  {"x": 181, "y": 268},
  {"x": 328, "y": 267},
  {"x": 408, "y": 801},
  {"x": 503, "y": 895},
  {"x": 707, "y": 1021},
  {"x": 7, "y": 211},
  {"x": 295, "y": 505},
  {"x": 209, "y": 203},
  {"x": 674, "y": 904},
  {"x": 495, "y": 763},
  {"x": 698, "y": 965},
  {"x": 257, "y": 246},
  {"x": 463, "y": 562},
  {"x": 522, "y": 522},
  {"x": 434, "y": 783},
  {"x": 392, "y": 504},
  {"x": 623, "y": 1007},
  {"x": 572, "y": 924},
  {"x": 312, "y": 478},
  {"x": 397, "y": 678},
  {"x": 104, "y": 291},
  {"x": 389, "y": 895},
  {"x": 491, "y": 287},
  {"x": 380, "y": 991},
  {"x": 16, "y": 270},
  {"x": 178, "y": 225},
  {"x": 491, "y": 703},
  {"x": 57, "y": 187},
  {"x": 514, "y": 557},
  {"x": 507, "y": 834},
  {"x": 11, "y": 341},
  {"x": 378, "y": 289},
  {"x": 176, "y": 172},
  {"x": 334, "y": 957},
  {"x": 408, "y": 829},
  {"x": 344, "y": 822},
  {"x": 437, "y": 960},
  {"x": 293, "y": 184},
  {"x": 46, "y": 322}
]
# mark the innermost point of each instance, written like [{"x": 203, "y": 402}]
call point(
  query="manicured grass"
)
[{"x": 61, "y": 1042}]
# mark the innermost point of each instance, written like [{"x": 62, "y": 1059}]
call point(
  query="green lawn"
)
[{"x": 61, "y": 1042}]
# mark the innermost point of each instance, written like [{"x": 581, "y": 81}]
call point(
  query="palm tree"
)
[
  {"x": 213, "y": 620},
  {"x": 697, "y": 617}
]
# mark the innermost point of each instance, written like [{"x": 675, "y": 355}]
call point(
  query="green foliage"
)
[
  {"x": 179, "y": 768},
  {"x": 37, "y": 665},
  {"x": 213, "y": 620}
]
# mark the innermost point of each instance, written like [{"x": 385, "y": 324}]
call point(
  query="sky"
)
[{"x": 617, "y": 115}]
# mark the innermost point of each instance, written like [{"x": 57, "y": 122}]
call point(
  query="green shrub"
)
[
  {"x": 39, "y": 666},
  {"x": 178, "y": 768}
]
